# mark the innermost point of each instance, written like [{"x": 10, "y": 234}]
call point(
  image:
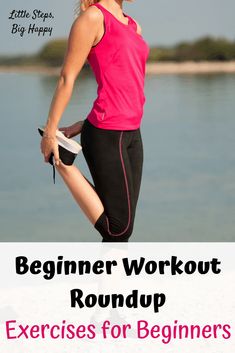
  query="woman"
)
[{"x": 112, "y": 43}]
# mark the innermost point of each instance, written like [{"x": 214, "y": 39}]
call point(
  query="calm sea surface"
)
[{"x": 188, "y": 187}]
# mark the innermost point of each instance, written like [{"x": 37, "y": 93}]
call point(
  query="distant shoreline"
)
[
  {"x": 186, "y": 67},
  {"x": 191, "y": 67}
]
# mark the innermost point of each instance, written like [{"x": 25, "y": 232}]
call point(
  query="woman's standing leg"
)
[
  {"x": 107, "y": 153},
  {"x": 136, "y": 155}
]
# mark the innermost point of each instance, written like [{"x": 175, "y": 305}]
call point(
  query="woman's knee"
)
[
  {"x": 113, "y": 230},
  {"x": 124, "y": 237}
]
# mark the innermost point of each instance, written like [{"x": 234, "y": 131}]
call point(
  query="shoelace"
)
[
  {"x": 53, "y": 166},
  {"x": 53, "y": 173}
]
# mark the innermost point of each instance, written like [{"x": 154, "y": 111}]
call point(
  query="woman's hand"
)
[
  {"x": 72, "y": 130},
  {"x": 49, "y": 145}
]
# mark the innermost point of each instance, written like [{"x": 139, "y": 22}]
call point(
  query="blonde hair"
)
[{"x": 82, "y": 5}]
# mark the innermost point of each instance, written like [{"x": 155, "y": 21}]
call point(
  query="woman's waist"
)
[{"x": 121, "y": 121}]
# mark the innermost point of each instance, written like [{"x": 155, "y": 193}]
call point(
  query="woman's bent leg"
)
[{"x": 82, "y": 191}]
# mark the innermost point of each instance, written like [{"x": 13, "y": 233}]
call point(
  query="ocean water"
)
[{"x": 188, "y": 186}]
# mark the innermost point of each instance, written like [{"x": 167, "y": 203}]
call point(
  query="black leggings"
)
[{"x": 115, "y": 160}]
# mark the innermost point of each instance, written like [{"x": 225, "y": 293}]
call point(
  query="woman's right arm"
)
[{"x": 81, "y": 38}]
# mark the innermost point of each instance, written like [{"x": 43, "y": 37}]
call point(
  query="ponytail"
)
[
  {"x": 85, "y": 3},
  {"x": 82, "y": 5}
]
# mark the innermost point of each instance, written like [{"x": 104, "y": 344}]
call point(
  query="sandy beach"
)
[
  {"x": 187, "y": 67},
  {"x": 191, "y": 67}
]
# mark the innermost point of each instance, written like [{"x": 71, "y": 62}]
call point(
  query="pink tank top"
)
[{"x": 118, "y": 61}]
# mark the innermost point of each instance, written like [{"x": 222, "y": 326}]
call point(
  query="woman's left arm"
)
[{"x": 81, "y": 38}]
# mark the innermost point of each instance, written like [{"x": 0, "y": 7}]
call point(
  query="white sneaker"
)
[{"x": 68, "y": 149}]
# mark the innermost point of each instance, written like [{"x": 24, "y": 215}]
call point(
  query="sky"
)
[{"x": 163, "y": 22}]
